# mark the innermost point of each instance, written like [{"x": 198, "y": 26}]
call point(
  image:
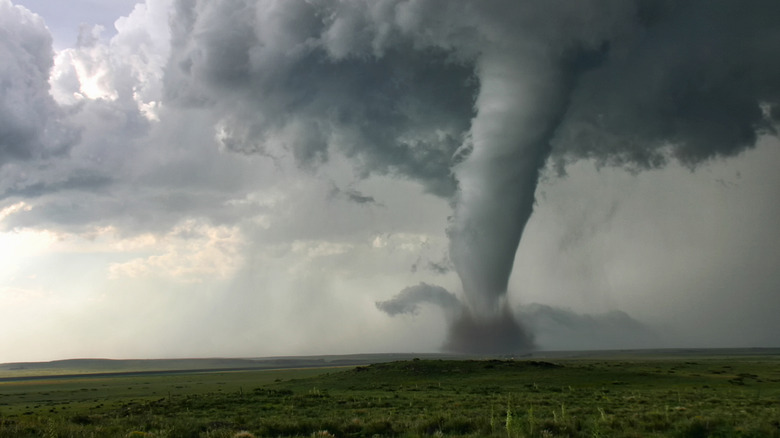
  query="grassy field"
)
[{"x": 641, "y": 396}]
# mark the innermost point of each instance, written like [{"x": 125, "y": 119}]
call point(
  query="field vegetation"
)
[{"x": 615, "y": 397}]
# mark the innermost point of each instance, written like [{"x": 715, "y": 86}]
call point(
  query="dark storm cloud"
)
[
  {"x": 310, "y": 76},
  {"x": 472, "y": 98},
  {"x": 689, "y": 80},
  {"x": 29, "y": 125}
]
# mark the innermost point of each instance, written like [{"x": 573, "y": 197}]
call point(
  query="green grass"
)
[{"x": 617, "y": 397}]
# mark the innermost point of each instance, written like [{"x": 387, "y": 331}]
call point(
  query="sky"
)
[{"x": 192, "y": 178}]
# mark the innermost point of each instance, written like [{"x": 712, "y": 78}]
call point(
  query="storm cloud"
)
[
  {"x": 272, "y": 130},
  {"x": 30, "y": 126},
  {"x": 687, "y": 81},
  {"x": 301, "y": 78},
  {"x": 408, "y": 300}
]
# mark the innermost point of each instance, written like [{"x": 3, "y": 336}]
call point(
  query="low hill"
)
[{"x": 123, "y": 366}]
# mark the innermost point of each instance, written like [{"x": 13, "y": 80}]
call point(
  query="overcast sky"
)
[{"x": 255, "y": 178}]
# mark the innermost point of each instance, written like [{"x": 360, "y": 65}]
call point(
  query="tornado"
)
[
  {"x": 517, "y": 108},
  {"x": 522, "y": 97}
]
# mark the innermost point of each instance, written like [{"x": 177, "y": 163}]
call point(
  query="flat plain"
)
[{"x": 625, "y": 394}]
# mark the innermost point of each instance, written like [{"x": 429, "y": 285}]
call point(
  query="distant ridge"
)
[
  {"x": 105, "y": 367},
  {"x": 87, "y": 367}
]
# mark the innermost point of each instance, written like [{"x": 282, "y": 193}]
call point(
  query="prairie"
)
[{"x": 622, "y": 395}]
